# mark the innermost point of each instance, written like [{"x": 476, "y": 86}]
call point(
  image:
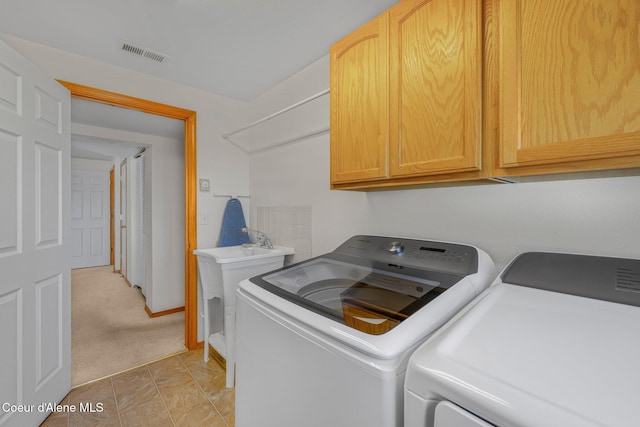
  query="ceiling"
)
[
  {"x": 233, "y": 48},
  {"x": 111, "y": 117},
  {"x": 84, "y": 147},
  {"x": 91, "y": 144}
]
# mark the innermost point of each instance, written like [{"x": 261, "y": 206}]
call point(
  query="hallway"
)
[{"x": 110, "y": 330}]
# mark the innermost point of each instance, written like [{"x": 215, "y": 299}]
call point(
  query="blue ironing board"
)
[{"x": 232, "y": 223}]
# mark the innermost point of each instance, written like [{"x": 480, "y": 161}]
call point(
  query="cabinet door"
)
[
  {"x": 435, "y": 86},
  {"x": 360, "y": 104},
  {"x": 570, "y": 81}
]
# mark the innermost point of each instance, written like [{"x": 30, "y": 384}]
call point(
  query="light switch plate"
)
[{"x": 204, "y": 184}]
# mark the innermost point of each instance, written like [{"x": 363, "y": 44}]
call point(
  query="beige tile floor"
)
[{"x": 181, "y": 390}]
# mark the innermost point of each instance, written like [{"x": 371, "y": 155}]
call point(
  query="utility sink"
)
[
  {"x": 220, "y": 271},
  {"x": 242, "y": 253}
]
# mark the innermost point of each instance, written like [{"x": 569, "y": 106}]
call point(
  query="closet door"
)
[
  {"x": 138, "y": 223},
  {"x": 124, "y": 241}
]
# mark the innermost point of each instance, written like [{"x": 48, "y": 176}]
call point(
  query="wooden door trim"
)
[{"x": 189, "y": 118}]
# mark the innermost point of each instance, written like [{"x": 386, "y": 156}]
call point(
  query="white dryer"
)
[
  {"x": 555, "y": 341},
  {"x": 326, "y": 342}
]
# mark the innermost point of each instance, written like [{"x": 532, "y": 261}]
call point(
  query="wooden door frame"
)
[{"x": 190, "y": 182}]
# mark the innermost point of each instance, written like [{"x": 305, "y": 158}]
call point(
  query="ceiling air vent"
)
[{"x": 142, "y": 51}]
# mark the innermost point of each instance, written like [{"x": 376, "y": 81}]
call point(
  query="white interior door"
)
[
  {"x": 89, "y": 218},
  {"x": 137, "y": 223},
  {"x": 123, "y": 218},
  {"x": 35, "y": 284}
]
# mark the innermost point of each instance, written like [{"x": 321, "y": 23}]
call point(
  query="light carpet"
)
[{"x": 110, "y": 330}]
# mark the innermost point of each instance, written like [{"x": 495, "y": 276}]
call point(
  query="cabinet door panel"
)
[
  {"x": 436, "y": 86},
  {"x": 360, "y": 104},
  {"x": 571, "y": 80}
]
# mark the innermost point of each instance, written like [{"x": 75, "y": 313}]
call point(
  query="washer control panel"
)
[{"x": 423, "y": 254}]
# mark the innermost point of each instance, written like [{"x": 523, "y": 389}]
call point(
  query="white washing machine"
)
[
  {"x": 555, "y": 341},
  {"x": 326, "y": 342}
]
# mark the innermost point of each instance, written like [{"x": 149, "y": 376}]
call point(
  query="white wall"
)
[{"x": 599, "y": 216}]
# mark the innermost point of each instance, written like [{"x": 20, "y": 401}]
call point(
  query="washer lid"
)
[
  {"x": 373, "y": 283},
  {"x": 359, "y": 294},
  {"x": 530, "y": 357}
]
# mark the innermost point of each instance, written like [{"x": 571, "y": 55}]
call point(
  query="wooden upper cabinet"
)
[
  {"x": 360, "y": 104},
  {"x": 435, "y": 87},
  {"x": 406, "y": 96},
  {"x": 570, "y": 82},
  {"x": 452, "y": 90}
]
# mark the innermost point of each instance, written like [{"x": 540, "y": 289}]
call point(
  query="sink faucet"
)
[{"x": 262, "y": 239}]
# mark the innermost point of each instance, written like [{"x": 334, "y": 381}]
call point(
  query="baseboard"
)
[
  {"x": 162, "y": 313},
  {"x": 213, "y": 354}
]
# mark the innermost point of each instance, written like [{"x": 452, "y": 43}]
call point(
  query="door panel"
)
[
  {"x": 360, "y": 104},
  {"x": 35, "y": 290},
  {"x": 570, "y": 81},
  {"x": 49, "y": 329},
  {"x": 10, "y": 188},
  {"x": 10, "y": 89},
  {"x": 10, "y": 353},
  {"x": 48, "y": 177},
  {"x": 436, "y": 87}
]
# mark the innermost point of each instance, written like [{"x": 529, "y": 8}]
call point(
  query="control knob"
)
[{"x": 395, "y": 248}]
